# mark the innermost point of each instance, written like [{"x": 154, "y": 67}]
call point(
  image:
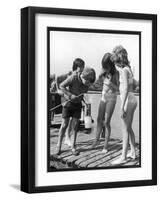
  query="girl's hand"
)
[
  {"x": 107, "y": 81},
  {"x": 123, "y": 113}
]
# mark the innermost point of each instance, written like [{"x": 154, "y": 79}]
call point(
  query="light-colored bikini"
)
[
  {"x": 131, "y": 100},
  {"x": 107, "y": 93}
]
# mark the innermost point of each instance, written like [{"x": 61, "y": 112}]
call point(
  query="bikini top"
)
[
  {"x": 130, "y": 75},
  {"x": 106, "y": 86},
  {"x": 130, "y": 78}
]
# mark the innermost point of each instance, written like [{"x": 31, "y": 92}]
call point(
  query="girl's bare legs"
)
[
  {"x": 100, "y": 122},
  {"x": 110, "y": 106},
  {"x": 64, "y": 125},
  {"x": 103, "y": 132},
  {"x": 125, "y": 142},
  {"x": 131, "y": 137},
  {"x": 128, "y": 134},
  {"x": 74, "y": 125},
  {"x": 132, "y": 153}
]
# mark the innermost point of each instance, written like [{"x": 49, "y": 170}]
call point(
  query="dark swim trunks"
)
[{"x": 72, "y": 110}]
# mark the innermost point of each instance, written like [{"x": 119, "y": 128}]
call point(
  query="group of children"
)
[{"x": 117, "y": 76}]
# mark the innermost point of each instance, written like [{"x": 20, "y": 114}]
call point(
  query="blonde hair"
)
[{"x": 120, "y": 56}]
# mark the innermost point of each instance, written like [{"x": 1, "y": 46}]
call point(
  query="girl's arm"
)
[
  {"x": 115, "y": 87},
  {"x": 124, "y": 88},
  {"x": 111, "y": 84}
]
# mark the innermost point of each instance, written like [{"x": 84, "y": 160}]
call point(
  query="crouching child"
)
[{"x": 73, "y": 88}]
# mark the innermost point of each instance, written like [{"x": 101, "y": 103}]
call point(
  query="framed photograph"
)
[{"x": 88, "y": 99}]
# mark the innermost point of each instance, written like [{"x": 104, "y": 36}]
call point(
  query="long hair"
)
[
  {"x": 108, "y": 63},
  {"x": 120, "y": 56}
]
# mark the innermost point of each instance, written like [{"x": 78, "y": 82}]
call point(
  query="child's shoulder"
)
[
  {"x": 125, "y": 70},
  {"x": 73, "y": 77},
  {"x": 61, "y": 78}
]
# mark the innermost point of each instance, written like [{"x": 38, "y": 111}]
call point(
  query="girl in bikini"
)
[
  {"x": 128, "y": 102},
  {"x": 107, "y": 103}
]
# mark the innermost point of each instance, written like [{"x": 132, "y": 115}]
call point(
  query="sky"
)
[{"x": 66, "y": 46}]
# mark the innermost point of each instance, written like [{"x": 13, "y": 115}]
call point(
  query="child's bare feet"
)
[
  {"x": 95, "y": 143},
  {"x": 119, "y": 161},
  {"x": 58, "y": 151},
  {"x": 75, "y": 152},
  {"x": 104, "y": 151},
  {"x": 132, "y": 155}
]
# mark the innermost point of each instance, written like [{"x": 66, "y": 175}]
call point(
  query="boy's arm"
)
[
  {"x": 60, "y": 79},
  {"x": 63, "y": 86}
]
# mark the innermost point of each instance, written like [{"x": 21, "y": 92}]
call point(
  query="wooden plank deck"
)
[{"x": 88, "y": 157}]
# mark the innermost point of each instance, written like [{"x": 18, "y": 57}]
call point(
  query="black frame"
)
[{"x": 28, "y": 98}]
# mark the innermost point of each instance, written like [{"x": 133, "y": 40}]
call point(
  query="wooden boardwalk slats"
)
[
  {"x": 67, "y": 155},
  {"x": 114, "y": 155},
  {"x": 70, "y": 156},
  {"x": 80, "y": 156},
  {"x": 97, "y": 157},
  {"x": 88, "y": 157},
  {"x": 92, "y": 155},
  {"x": 100, "y": 162},
  {"x": 85, "y": 158}
]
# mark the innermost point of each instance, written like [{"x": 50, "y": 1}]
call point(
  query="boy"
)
[
  {"x": 78, "y": 66},
  {"x": 73, "y": 88}
]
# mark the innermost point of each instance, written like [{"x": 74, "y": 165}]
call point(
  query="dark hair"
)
[
  {"x": 107, "y": 62},
  {"x": 78, "y": 62},
  {"x": 89, "y": 74},
  {"x": 120, "y": 56}
]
